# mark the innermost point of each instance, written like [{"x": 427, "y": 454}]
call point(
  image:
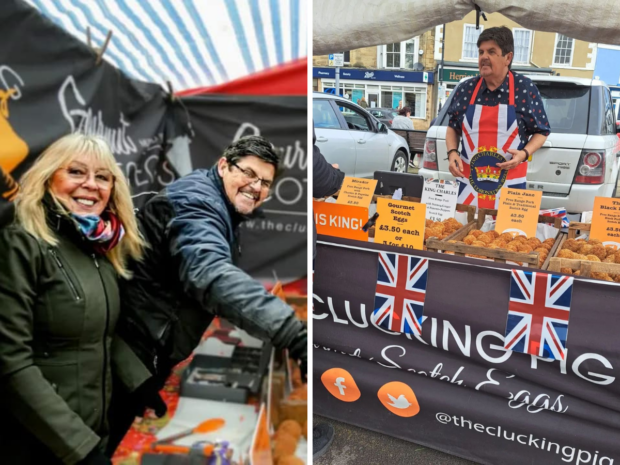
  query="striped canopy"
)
[{"x": 191, "y": 43}]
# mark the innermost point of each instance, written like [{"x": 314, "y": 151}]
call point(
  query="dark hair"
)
[
  {"x": 404, "y": 110},
  {"x": 252, "y": 145},
  {"x": 502, "y": 37}
]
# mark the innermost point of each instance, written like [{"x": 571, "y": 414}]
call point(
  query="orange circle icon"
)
[
  {"x": 341, "y": 385},
  {"x": 399, "y": 399}
]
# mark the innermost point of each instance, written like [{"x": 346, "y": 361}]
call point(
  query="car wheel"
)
[{"x": 400, "y": 162}]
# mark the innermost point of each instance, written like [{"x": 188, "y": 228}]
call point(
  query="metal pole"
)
[
  {"x": 337, "y": 80},
  {"x": 443, "y": 49}
]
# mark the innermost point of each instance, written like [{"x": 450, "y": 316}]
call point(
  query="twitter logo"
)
[
  {"x": 400, "y": 403},
  {"x": 399, "y": 399}
]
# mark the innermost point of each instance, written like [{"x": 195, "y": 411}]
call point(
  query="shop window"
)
[
  {"x": 347, "y": 57},
  {"x": 563, "y": 54},
  {"x": 522, "y": 39},
  {"x": 392, "y": 55},
  {"x": 470, "y": 39},
  {"x": 402, "y": 55}
]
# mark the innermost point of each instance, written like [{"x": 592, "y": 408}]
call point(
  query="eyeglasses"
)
[
  {"x": 103, "y": 178},
  {"x": 251, "y": 177}
]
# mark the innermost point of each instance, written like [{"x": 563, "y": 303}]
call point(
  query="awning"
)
[
  {"x": 190, "y": 43},
  {"x": 351, "y": 24}
]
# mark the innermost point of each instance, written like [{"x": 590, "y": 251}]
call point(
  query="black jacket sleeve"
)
[
  {"x": 326, "y": 180},
  {"x": 199, "y": 245}
]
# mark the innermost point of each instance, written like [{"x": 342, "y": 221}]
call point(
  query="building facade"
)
[
  {"x": 536, "y": 52},
  {"x": 387, "y": 76},
  {"x": 419, "y": 73}
]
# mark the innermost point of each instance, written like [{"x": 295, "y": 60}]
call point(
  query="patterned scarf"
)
[{"x": 105, "y": 231}]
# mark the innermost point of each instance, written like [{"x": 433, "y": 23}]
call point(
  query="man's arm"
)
[
  {"x": 326, "y": 180},
  {"x": 200, "y": 249},
  {"x": 519, "y": 156},
  {"x": 455, "y": 164},
  {"x": 536, "y": 124}
]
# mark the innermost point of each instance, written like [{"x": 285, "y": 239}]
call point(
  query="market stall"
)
[
  {"x": 467, "y": 336},
  {"x": 235, "y": 400}
]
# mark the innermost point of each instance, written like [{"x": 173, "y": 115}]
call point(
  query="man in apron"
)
[{"x": 501, "y": 120}]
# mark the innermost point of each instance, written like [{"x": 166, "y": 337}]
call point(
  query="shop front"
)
[
  {"x": 380, "y": 88},
  {"x": 453, "y": 72}
]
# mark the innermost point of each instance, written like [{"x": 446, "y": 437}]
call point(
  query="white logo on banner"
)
[{"x": 85, "y": 120}]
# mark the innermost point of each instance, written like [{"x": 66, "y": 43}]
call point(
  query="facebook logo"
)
[{"x": 340, "y": 385}]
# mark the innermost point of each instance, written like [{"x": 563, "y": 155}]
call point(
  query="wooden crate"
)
[
  {"x": 469, "y": 209},
  {"x": 585, "y": 267},
  {"x": 497, "y": 255},
  {"x": 574, "y": 226},
  {"x": 293, "y": 410}
]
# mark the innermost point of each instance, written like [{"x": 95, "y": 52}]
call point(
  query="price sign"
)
[
  {"x": 440, "y": 198},
  {"x": 400, "y": 223},
  {"x": 518, "y": 212},
  {"x": 336, "y": 220},
  {"x": 606, "y": 221},
  {"x": 357, "y": 191}
]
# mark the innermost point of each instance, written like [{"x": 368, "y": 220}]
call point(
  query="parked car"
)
[
  {"x": 385, "y": 115},
  {"x": 578, "y": 161},
  {"x": 349, "y": 135}
]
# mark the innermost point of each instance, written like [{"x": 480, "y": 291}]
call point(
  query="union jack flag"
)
[
  {"x": 538, "y": 314},
  {"x": 485, "y": 127},
  {"x": 400, "y": 293}
]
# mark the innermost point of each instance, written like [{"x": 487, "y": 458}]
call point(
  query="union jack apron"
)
[{"x": 487, "y": 134}]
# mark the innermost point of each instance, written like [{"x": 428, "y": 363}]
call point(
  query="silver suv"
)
[
  {"x": 350, "y": 136},
  {"x": 579, "y": 160}
]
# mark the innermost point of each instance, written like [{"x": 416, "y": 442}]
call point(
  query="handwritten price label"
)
[
  {"x": 518, "y": 211},
  {"x": 400, "y": 223},
  {"x": 357, "y": 192},
  {"x": 606, "y": 221}
]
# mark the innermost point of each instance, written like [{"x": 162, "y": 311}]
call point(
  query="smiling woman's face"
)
[{"x": 83, "y": 186}]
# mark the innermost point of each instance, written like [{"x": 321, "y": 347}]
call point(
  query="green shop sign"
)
[{"x": 455, "y": 75}]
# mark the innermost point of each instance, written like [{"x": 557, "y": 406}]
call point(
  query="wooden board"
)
[
  {"x": 501, "y": 255},
  {"x": 294, "y": 410},
  {"x": 557, "y": 246},
  {"x": 585, "y": 267},
  {"x": 498, "y": 255},
  {"x": 557, "y": 222},
  {"x": 574, "y": 226}
]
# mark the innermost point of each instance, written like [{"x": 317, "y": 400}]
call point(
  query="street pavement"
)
[{"x": 354, "y": 446}]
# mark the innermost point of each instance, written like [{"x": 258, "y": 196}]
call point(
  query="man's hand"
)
[
  {"x": 147, "y": 396},
  {"x": 455, "y": 164},
  {"x": 298, "y": 350},
  {"x": 335, "y": 165},
  {"x": 95, "y": 457},
  {"x": 518, "y": 156}
]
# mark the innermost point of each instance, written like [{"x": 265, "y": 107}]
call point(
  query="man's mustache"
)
[{"x": 483, "y": 63}]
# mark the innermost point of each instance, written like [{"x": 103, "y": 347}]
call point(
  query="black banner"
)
[
  {"x": 275, "y": 246},
  {"x": 50, "y": 85},
  {"x": 462, "y": 392}
]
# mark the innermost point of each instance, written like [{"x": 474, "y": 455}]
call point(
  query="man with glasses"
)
[{"x": 188, "y": 276}]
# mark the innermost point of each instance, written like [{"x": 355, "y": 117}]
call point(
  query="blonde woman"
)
[{"x": 59, "y": 303}]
